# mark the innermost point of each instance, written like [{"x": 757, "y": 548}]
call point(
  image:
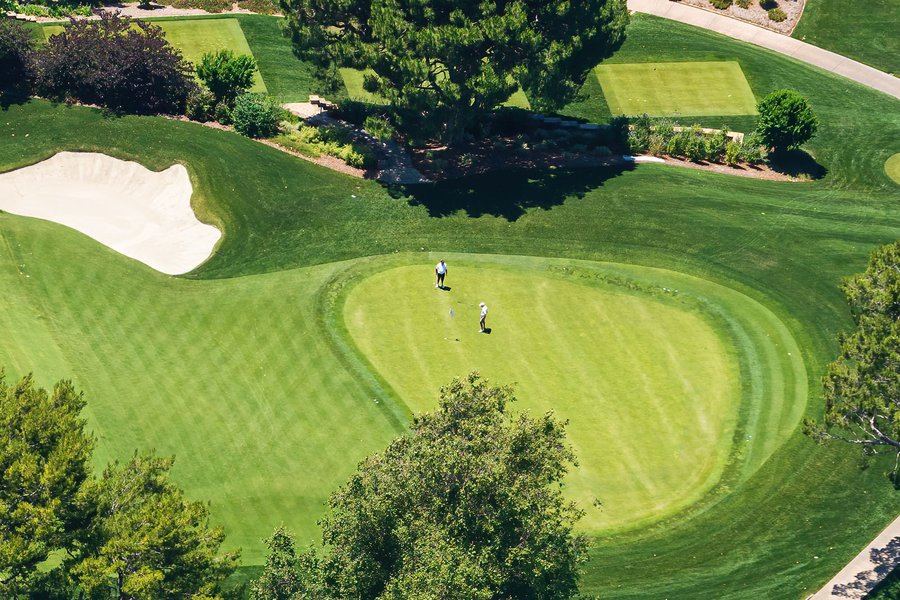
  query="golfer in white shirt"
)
[
  {"x": 440, "y": 270},
  {"x": 483, "y": 316}
]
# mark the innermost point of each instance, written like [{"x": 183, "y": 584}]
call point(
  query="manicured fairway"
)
[
  {"x": 680, "y": 88},
  {"x": 606, "y": 347},
  {"x": 195, "y": 37}
]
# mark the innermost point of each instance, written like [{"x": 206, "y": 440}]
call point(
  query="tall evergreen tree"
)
[{"x": 455, "y": 60}]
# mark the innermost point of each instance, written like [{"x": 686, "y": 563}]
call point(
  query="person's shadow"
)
[
  {"x": 445, "y": 288},
  {"x": 487, "y": 330}
]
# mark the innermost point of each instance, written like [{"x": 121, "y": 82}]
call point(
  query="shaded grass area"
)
[
  {"x": 863, "y": 31},
  {"x": 785, "y": 245},
  {"x": 676, "y": 89}
]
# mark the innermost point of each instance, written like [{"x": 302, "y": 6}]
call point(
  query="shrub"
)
[
  {"x": 752, "y": 150},
  {"x": 263, "y": 7},
  {"x": 743, "y": 3},
  {"x": 16, "y": 46},
  {"x": 213, "y": 6},
  {"x": 785, "y": 120},
  {"x": 617, "y": 133},
  {"x": 226, "y": 74},
  {"x": 721, "y": 4},
  {"x": 255, "y": 115},
  {"x": 733, "y": 153},
  {"x": 115, "y": 62},
  {"x": 201, "y": 105},
  {"x": 768, "y": 4},
  {"x": 694, "y": 144},
  {"x": 222, "y": 113},
  {"x": 639, "y": 136},
  {"x": 379, "y": 127},
  {"x": 716, "y": 144},
  {"x": 333, "y": 141},
  {"x": 777, "y": 15}
]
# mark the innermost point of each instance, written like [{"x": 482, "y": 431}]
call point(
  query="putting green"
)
[
  {"x": 892, "y": 167},
  {"x": 195, "y": 37},
  {"x": 650, "y": 379},
  {"x": 676, "y": 89}
]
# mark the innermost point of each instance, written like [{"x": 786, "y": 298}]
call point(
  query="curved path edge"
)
[
  {"x": 741, "y": 30},
  {"x": 867, "y": 569}
]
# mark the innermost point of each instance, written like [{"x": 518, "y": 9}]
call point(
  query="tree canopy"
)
[
  {"x": 785, "y": 120},
  {"x": 128, "y": 534},
  {"x": 862, "y": 386},
  {"x": 454, "y": 60},
  {"x": 44, "y": 460},
  {"x": 226, "y": 74},
  {"x": 115, "y": 62},
  {"x": 467, "y": 505}
]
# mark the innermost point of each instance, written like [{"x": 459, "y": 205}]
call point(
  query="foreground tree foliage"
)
[
  {"x": 129, "y": 534},
  {"x": 467, "y": 505},
  {"x": 785, "y": 121},
  {"x": 115, "y": 62},
  {"x": 862, "y": 387},
  {"x": 456, "y": 60},
  {"x": 16, "y": 46},
  {"x": 44, "y": 461}
]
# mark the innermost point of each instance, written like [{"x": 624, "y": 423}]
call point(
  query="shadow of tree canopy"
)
[
  {"x": 797, "y": 163},
  {"x": 509, "y": 193}
]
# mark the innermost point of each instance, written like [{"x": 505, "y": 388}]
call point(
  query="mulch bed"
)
[{"x": 758, "y": 15}]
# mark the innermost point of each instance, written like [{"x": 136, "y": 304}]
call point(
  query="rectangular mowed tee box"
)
[
  {"x": 196, "y": 37},
  {"x": 676, "y": 89}
]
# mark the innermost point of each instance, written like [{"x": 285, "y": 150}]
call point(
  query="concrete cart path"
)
[
  {"x": 869, "y": 567},
  {"x": 780, "y": 43}
]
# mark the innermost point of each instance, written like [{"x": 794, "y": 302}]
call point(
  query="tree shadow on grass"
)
[
  {"x": 508, "y": 194},
  {"x": 11, "y": 96},
  {"x": 797, "y": 163}
]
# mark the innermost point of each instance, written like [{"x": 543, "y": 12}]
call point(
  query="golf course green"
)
[
  {"x": 313, "y": 333},
  {"x": 625, "y": 354}
]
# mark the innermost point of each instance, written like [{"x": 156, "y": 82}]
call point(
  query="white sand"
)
[{"x": 140, "y": 213}]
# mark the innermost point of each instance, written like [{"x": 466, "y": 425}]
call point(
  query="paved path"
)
[
  {"x": 869, "y": 567},
  {"x": 783, "y": 44}
]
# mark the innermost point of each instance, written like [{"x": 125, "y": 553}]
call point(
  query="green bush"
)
[
  {"x": 222, "y": 113},
  {"x": 639, "y": 134},
  {"x": 743, "y": 3},
  {"x": 226, "y": 74},
  {"x": 201, "y": 105},
  {"x": 255, "y": 115},
  {"x": 379, "y": 127},
  {"x": 733, "y": 152},
  {"x": 721, "y": 4},
  {"x": 785, "y": 120},
  {"x": 213, "y": 6},
  {"x": 716, "y": 144},
  {"x": 263, "y": 7},
  {"x": 777, "y": 15},
  {"x": 751, "y": 150},
  {"x": 16, "y": 46},
  {"x": 332, "y": 141}
]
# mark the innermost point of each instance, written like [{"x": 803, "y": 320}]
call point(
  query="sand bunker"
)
[{"x": 141, "y": 213}]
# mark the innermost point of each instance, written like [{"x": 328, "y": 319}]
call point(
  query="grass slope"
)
[
  {"x": 864, "y": 31},
  {"x": 784, "y": 245},
  {"x": 676, "y": 89}
]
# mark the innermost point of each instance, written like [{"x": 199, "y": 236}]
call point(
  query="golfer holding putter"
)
[
  {"x": 483, "y": 317},
  {"x": 440, "y": 270}
]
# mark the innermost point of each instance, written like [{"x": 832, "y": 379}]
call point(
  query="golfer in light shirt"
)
[
  {"x": 440, "y": 270},
  {"x": 483, "y": 317}
]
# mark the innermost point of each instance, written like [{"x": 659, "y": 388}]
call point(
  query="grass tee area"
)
[
  {"x": 681, "y": 88},
  {"x": 300, "y": 347}
]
